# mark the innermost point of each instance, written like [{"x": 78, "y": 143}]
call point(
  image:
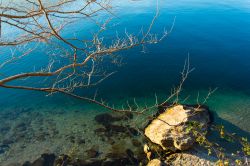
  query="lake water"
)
[{"x": 215, "y": 35}]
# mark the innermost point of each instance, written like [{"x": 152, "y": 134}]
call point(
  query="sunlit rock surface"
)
[
  {"x": 170, "y": 128},
  {"x": 155, "y": 162}
]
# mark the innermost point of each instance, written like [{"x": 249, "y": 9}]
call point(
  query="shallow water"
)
[{"x": 215, "y": 35}]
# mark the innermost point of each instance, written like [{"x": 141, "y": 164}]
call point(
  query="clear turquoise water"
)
[{"x": 216, "y": 36}]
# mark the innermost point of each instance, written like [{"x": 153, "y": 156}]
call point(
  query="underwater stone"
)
[
  {"x": 111, "y": 129},
  {"x": 129, "y": 115},
  {"x": 81, "y": 141},
  {"x": 104, "y": 119},
  {"x": 100, "y": 131},
  {"x": 116, "y": 162},
  {"x": 27, "y": 163},
  {"x": 20, "y": 127},
  {"x": 169, "y": 129},
  {"x": 131, "y": 156},
  {"x": 136, "y": 143},
  {"x": 62, "y": 160},
  {"x": 92, "y": 153},
  {"x": 4, "y": 129},
  {"x": 89, "y": 162},
  {"x": 110, "y": 141},
  {"x": 1, "y": 151},
  {"x": 116, "y": 128},
  {"x": 3, "y": 148},
  {"x": 45, "y": 160},
  {"x": 41, "y": 136},
  {"x": 133, "y": 131},
  {"x": 8, "y": 141},
  {"x": 71, "y": 138}
]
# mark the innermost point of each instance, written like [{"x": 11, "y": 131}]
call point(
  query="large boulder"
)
[
  {"x": 171, "y": 129},
  {"x": 156, "y": 162}
]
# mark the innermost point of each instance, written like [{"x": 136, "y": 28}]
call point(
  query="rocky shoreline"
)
[
  {"x": 166, "y": 139},
  {"x": 110, "y": 130}
]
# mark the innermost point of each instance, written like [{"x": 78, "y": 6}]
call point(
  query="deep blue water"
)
[{"x": 216, "y": 35}]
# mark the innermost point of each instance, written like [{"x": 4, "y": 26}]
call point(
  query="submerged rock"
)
[
  {"x": 81, "y": 141},
  {"x": 171, "y": 129},
  {"x": 136, "y": 143},
  {"x": 116, "y": 162},
  {"x": 92, "y": 152},
  {"x": 3, "y": 148},
  {"x": 111, "y": 130},
  {"x": 7, "y": 141},
  {"x": 89, "y": 162},
  {"x": 131, "y": 156},
  {"x": 45, "y": 160},
  {"x": 4, "y": 128},
  {"x": 62, "y": 160},
  {"x": 106, "y": 118}
]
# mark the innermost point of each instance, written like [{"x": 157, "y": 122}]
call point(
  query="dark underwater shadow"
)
[{"x": 230, "y": 147}]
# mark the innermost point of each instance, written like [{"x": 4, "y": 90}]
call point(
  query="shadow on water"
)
[{"x": 230, "y": 147}]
